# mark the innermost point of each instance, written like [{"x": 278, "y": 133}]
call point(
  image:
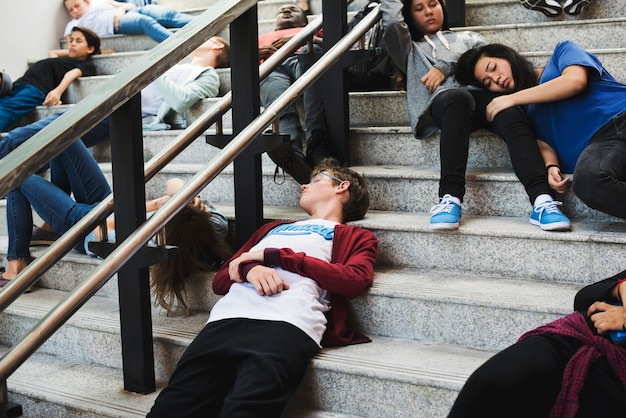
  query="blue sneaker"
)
[
  {"x": 549, "y": 217},
  {"x": 446, "y": 214}
]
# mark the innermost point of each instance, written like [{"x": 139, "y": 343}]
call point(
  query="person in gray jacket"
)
[
  {"x": 421, "y": 45},
  {"x": 183, "y": 85}
]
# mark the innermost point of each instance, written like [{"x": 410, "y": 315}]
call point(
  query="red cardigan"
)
[{"x": 349, "y": 273}]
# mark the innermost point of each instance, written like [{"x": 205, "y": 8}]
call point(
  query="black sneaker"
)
[
  {"x": 291, "y": 162},
  {"x": 42, "y": 237},
  {"x": 317, "y": 148},
  {"x": 573, "y": 7},
  {"x": 550, "y": 8}
]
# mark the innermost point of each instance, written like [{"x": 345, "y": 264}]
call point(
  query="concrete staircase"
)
[{"x": 441, "y": 304}]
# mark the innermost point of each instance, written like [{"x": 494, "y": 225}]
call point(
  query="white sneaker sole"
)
[
  {"x": 555, "y": 226},
  {"x": 444, "y": 226}
]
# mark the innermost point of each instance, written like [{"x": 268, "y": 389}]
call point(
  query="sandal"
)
[
  {"x": 3, "y": 281},
  {"x": 574, "y": 7},
  {"x": 550, "y": 8}
]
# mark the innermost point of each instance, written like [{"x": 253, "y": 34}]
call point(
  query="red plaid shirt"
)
[{"x": 574, "y": 325}]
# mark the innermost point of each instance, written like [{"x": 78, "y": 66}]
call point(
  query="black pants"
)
[
  {"x": 241, "y": 367},
  {"x": 524, "y": 380},
  {"x": 459, "y": 112}
]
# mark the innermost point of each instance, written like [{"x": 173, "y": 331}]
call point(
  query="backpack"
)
[{"x": 377, "y": 72}]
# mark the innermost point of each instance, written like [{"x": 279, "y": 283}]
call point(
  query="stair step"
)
[
  {"x": 420, "y": 379},
  {"x": 496, "y": 12},
  {"x": 392, "y": 188}
]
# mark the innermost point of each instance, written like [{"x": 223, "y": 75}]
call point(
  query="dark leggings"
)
[
  {"x": 459, "y": 112},
  {"x": 524, "y": 380}
]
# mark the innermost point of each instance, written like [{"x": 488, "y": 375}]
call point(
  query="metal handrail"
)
[
  {"x": 109, "y": 266},
  {"x": 89, "y": 222}
]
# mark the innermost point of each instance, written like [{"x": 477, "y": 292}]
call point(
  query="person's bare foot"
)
[{"x": 304, "y": 5}]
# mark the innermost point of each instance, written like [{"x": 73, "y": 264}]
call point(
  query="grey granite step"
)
[
  {"x": 429, "y": 296},
  {"x": 491, "y": 191},
  {"x": 497, "y": 12},
  {"x": 489, "y": 245},
  {"x": 46, "y": 386},
  {"x": 411, "y": 379}
]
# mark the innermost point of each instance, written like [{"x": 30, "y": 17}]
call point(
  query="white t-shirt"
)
[
  {"x": 304, "y": 303},
  {"x": 99, "y": 19}
]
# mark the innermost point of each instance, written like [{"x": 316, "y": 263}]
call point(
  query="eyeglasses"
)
[{"x": 323, "y": 173}]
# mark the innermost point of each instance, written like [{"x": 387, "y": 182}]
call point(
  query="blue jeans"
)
[
  {"x": 53, "y": 204},
  {"x": 152, "y": 20},
  {"x": 600, "y": 175},
  {"x": 22, "y": 99},
  {"x": 17, "y": 136}
]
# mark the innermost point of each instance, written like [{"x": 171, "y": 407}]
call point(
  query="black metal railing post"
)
[
  {"x": 133, "y": 281},
  {"x": 245, "y": 107},
  {"x": 336, "y": 106}
]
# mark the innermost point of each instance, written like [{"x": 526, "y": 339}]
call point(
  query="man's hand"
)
[
  {"x": 433, "y": 79},
  {"x": 265, "y": 51},
  {"x": 280, "y": 42},
  {"x": 266, "y": 281},
  {"x": 606, "y": 317},
  {"x": 235, "y": 265}
]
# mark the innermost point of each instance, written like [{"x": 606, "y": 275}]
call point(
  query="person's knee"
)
[{"x": 458, "y": 99}]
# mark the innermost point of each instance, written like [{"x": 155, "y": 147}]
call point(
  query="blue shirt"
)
[{"x": 568, "y": 125}]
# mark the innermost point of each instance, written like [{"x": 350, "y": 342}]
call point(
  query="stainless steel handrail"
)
[
  {"x": 109, "y": 266},
  {"x": 63, "y": 245}
]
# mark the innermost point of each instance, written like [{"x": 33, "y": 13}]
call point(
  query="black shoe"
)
[
  {"x": 574, "y": 7},
  {"x": 550, "y": 8},
  {"x": 291, "y": 162},
  {"x": 42, "y": 237},
  {"x": 317, "y": 148}
]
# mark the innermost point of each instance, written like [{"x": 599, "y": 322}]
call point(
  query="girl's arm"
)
[
  {"x": 396, "y": 34},
  {"x": 572, "y": 81},
  {"x": 54, "y": 96},
  {"x": 555, "y": 179},
  {"x": 56, "y": 53}
]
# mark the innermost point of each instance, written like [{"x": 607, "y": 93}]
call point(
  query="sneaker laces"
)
[
  {"x": 550, "y": 207},
  {"x": 446, "y": 205}
]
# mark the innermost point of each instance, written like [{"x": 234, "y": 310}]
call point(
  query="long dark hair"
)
[
  {"x": 200, "y": 249},
  {"x": 523, "y": 72},
  {"x": 416, "y": 34}
]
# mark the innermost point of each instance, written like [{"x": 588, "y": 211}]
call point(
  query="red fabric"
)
[
  {"x": 349, "y": 273},
  {"x": 574, "y": 325},
  {"x": 268, "y": 38}
]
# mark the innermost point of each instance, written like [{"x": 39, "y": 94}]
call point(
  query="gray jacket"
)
[{"x": 416, "y": 58}]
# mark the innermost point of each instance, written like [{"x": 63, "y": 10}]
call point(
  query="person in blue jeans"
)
[
  {"x": 112, "y": 17},
  {"x": 74, "y": 172},
  {"x": 46, "y": 80},
  {"x": 88, "y": 186}
]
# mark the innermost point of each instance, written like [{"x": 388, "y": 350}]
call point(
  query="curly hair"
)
[
  {"x": 522, "y": 70},
  {"x": 200, "y": 249},
  {"x": 416, "y": 34}
]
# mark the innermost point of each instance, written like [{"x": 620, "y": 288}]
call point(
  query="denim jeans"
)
[
  {"x": 600, "y": 175},
  {"x": 53, "y": 204},
  {"x": 22, "y": 99},
  {"x": 152, "y": 20},
  {"x": 459, "y": 112},
  {"x": 19, "y": 135}
]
